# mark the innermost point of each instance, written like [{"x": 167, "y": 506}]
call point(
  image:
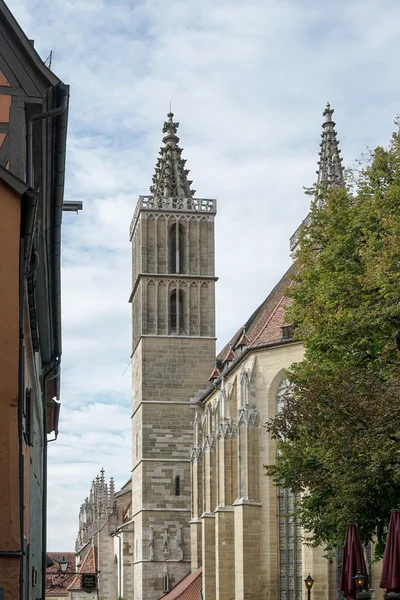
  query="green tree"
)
[{"x": 338, "y": 436}]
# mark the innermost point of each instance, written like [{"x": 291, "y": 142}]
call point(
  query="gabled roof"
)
[
  {"x": 88, "y": 565},
  {"x": 25, "y": 45},
  {"x": 263, "y": 329},
  {"x": 264, "y": 325},
  {"x": 189, "y": 588}
]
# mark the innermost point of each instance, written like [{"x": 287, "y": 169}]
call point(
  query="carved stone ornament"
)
[
  {"x": 225, "y": 429},
  {"x": 179, "y": 542},
  {"x": 209, "y": 442},
  {"x": 196, "y": 453},
  {"x": 166, "y": 550},
  {"x": 249, "y": 416},
  {"x": 151, "y": 544}
]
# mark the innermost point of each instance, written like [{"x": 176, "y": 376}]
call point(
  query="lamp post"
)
[
  {"x": 360, "y": 580},
  {"x": 309, "y": 581}
]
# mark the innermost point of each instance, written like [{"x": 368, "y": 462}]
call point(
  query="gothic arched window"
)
[
  {"x": 244, "y": 389},
  {"x": 176, "y": 311},
  {"x": 290, "y": 562},
  {"x": 177, "y": 486},
  {"x": 165, "y": 582},
  {"x": 176, "y": 248}
]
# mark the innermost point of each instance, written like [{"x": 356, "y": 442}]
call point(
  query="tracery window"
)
[
  {"x": 176, "y": 311},
  {"x": 176, "y": 248},
  {"x": 290, "y": 562}
]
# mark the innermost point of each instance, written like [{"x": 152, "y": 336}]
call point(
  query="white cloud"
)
[{"x": 248, "y": 82}]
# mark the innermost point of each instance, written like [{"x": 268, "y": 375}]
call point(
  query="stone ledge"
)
[{"x": 246, "y": 502}]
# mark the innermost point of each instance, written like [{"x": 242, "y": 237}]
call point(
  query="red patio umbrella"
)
[
  {"x": 390, "y": 577},
  {"x": 353, "y": 562}
]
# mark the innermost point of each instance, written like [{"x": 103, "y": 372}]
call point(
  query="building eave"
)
[
  {"x": 13, "y": 182},
  {"x": 27, "y": 46},
  {"x": 237, "y": 362}
]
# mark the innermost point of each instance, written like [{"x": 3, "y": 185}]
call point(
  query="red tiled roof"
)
[
  {"x": 230, "y": 356},
  {"x": 271, "y": 332},
  {"x": 243, "y": 340},
  {"x": 216, "y": 373},
  {"x": 57, "y": 584},
  {"x": 264, "y": 325},
  {"x": 189, "y": 588},
  {"x": 88, "y": 565}
]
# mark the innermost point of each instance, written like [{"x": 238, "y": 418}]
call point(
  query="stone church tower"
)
[{"x": 173, "y": 352}]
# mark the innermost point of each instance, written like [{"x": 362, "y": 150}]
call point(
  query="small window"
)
[
  {"x": 176, "y": 247},
  {"x": 177, "y": 486},
  {"x": 287, "y": 332},
  {"x": 165, "y": 583}
]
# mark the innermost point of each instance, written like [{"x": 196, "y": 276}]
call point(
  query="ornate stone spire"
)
[
  {"x": 330, "y": 170},
  {"x": 170, "y": 179},
  {"x": 112, "y": 492}
]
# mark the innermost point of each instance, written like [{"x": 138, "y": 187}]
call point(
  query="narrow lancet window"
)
[
  {"x": 176, "y": 248},
  {"x": 176, "y": 312},
  {"x": 177, "y": 486}
]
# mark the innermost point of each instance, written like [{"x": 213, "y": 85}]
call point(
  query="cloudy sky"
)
[{"x": 248, "y": 82}]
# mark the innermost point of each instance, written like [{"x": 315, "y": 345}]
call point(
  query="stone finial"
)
[
  {"x": 112, "y": 492},
  {"x": 330, "y": 170},
  {"x": 170, "y": 179}
]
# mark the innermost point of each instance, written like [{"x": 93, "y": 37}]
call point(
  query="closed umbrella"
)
[
  {"x": 390, "y": 577},
  {"x": 353, "y": 562}
]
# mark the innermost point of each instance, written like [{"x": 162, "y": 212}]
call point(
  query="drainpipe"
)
[
  {"x": 50, "y": 374},
  {"x": 48, "y": 114},
  {"x": 21, "y": 392},
  {"x": 118, "y": 535}
]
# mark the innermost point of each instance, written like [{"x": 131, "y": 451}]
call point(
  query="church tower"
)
[{"x": 173, "y": 352}]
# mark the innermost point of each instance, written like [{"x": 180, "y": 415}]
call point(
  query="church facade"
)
[
  {"x": 204, "y": 521},
  {"x": 243, "y": 540}
]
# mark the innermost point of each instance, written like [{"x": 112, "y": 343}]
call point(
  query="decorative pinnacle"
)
[
  {"x": 170, "y": 128},
  {"x": 330, "y": 170},
  {"x": 170, "y": 179}
]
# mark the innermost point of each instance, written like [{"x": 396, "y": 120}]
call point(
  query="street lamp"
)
[
  {"x": 63, "y": 565},
  {"x": 88, "y": 581},
  {"x": 309, "y": 583},
  {"x": 359, "y": 579}
]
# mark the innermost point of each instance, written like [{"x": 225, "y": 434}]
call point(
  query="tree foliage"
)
[{"x": 338, "y": 436}]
